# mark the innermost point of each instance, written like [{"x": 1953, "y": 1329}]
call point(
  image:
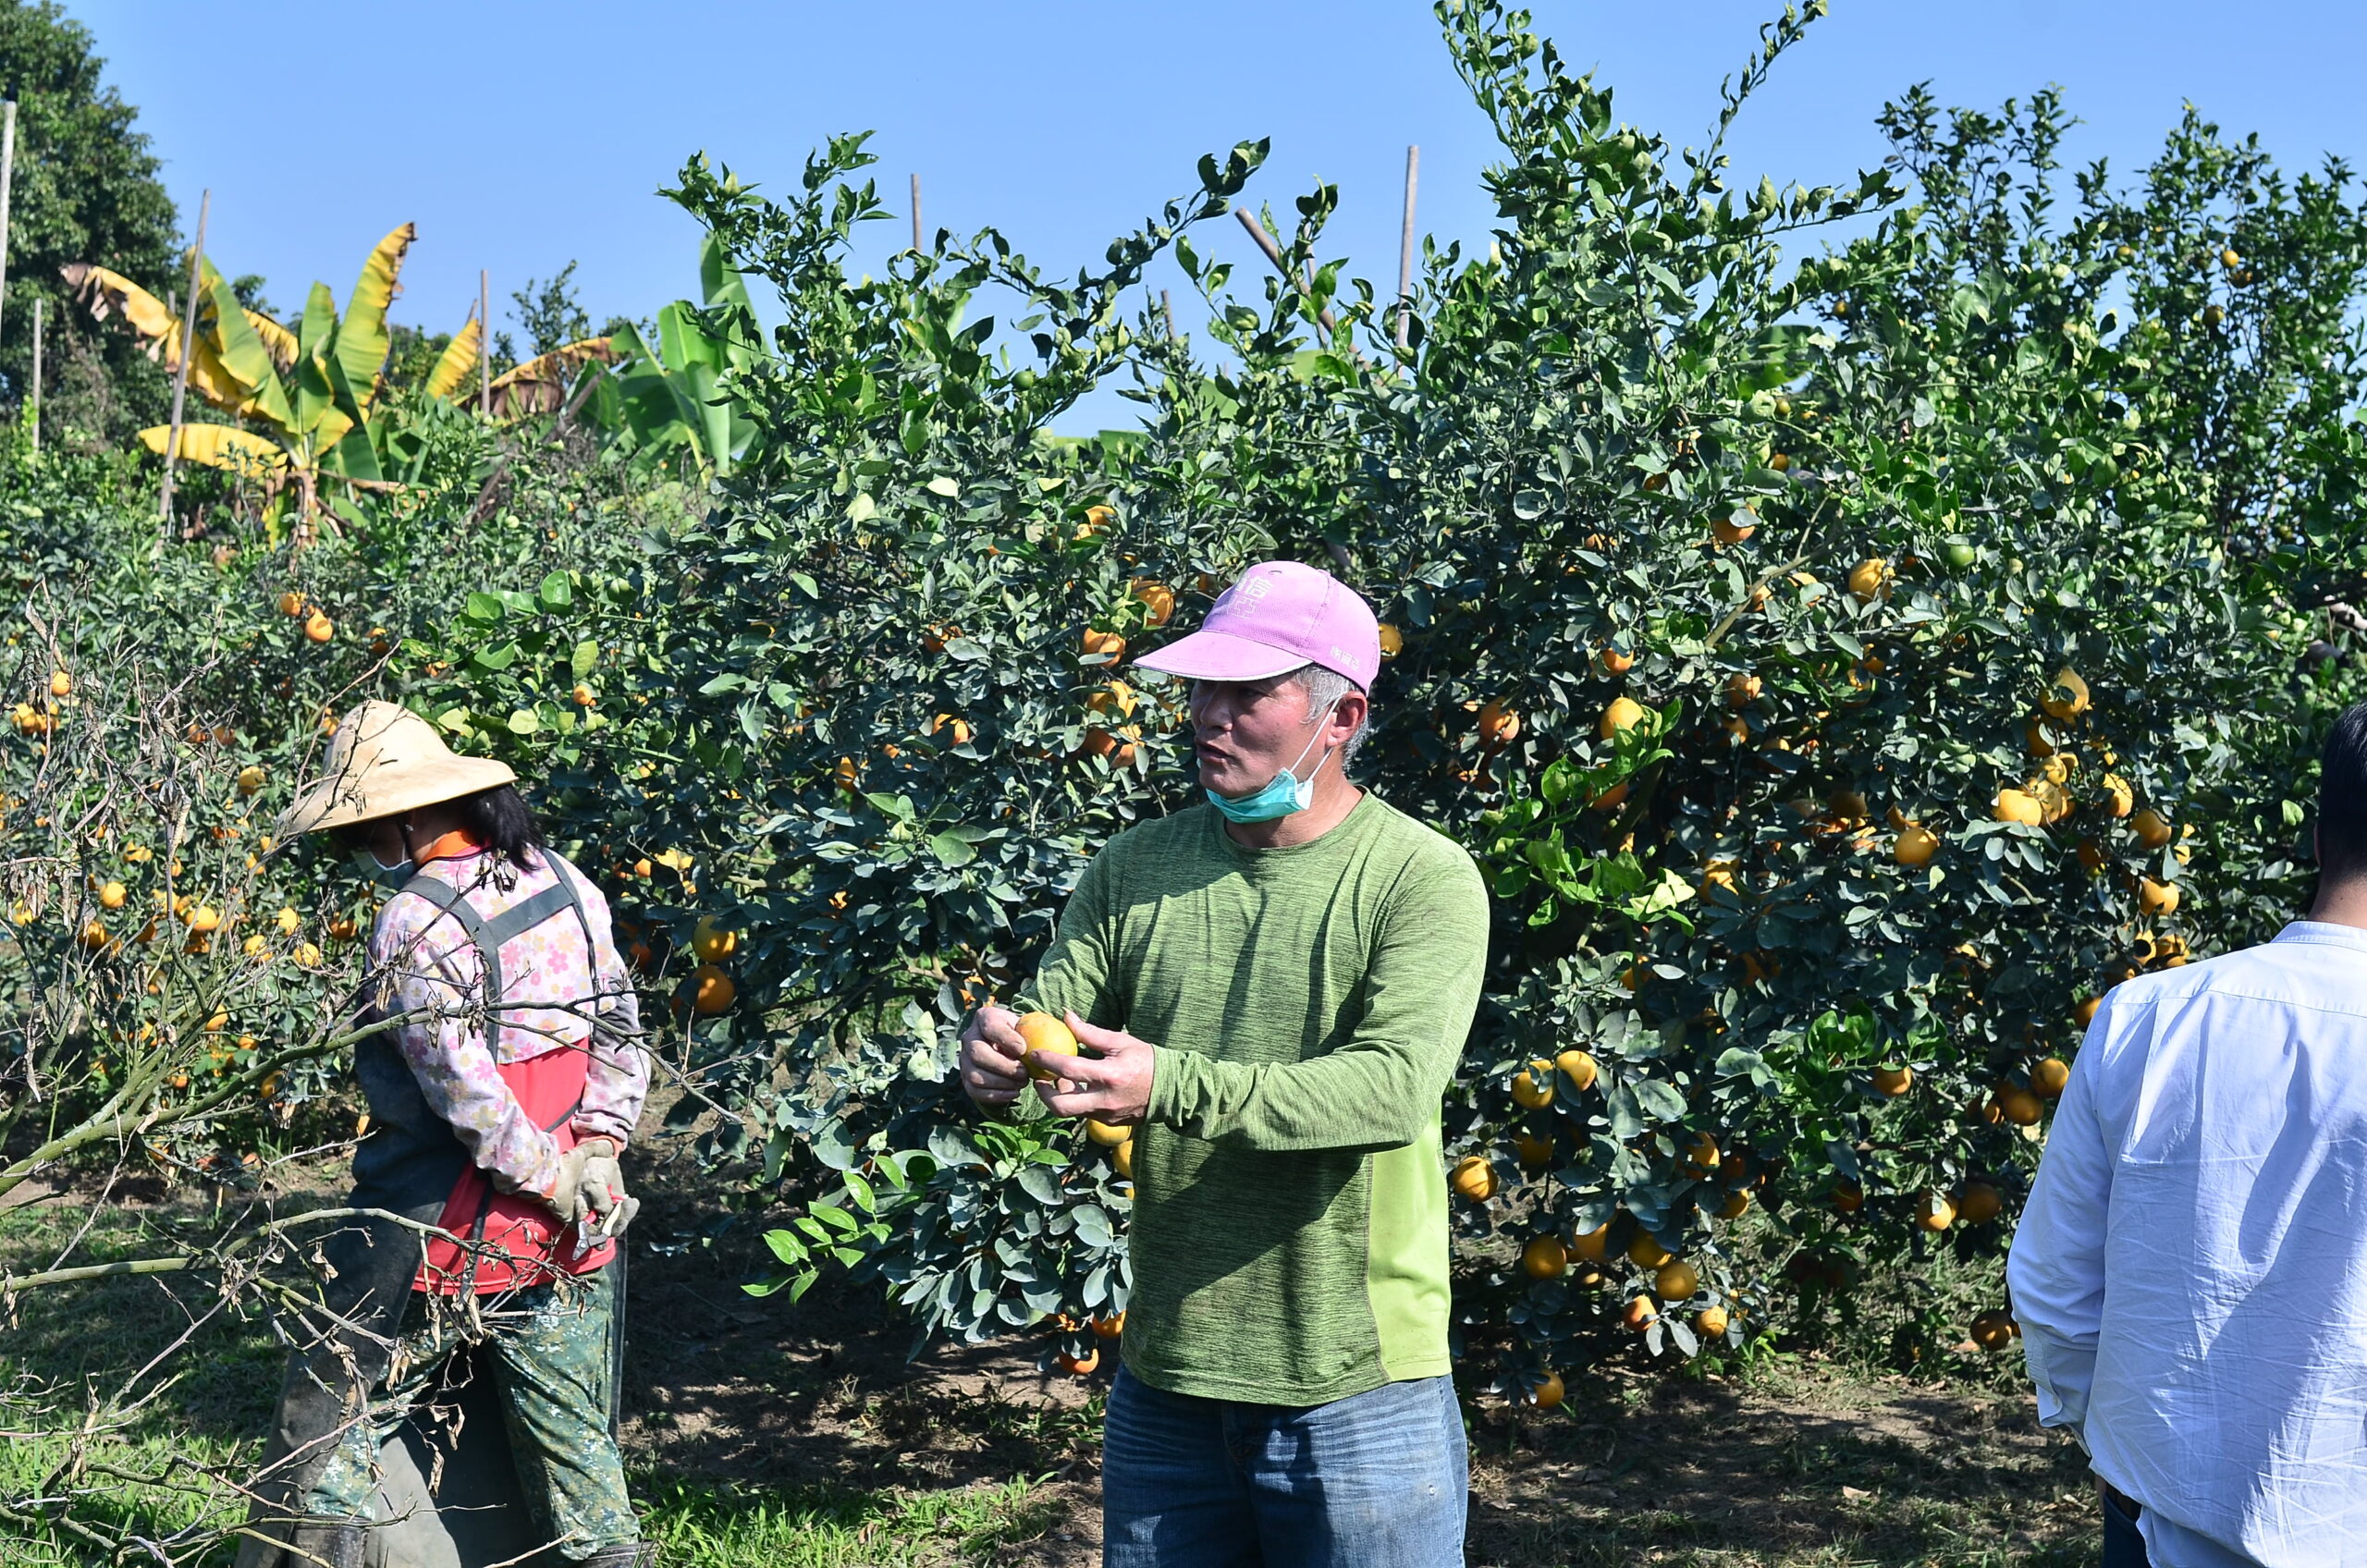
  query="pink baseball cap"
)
[{"x": 1282, "y": 615}]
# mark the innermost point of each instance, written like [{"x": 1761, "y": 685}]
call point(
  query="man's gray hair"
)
[{"x": 1324, "y": 688}]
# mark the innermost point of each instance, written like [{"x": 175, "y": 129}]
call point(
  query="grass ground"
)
[{"x": 762, "y": 1433}]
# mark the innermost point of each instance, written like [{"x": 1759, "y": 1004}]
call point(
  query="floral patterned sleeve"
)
[
  {"x": 618, "y": 1082},
  {"x": 428, "y": 962}
]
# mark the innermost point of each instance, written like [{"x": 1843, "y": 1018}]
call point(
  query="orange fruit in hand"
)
[{"x": 1044, "y": 1035}]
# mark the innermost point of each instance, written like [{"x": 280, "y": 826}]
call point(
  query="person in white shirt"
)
[{"x": 2190, "y": 1273}]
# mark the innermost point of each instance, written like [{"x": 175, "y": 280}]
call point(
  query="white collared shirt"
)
[{"x": 2190, "y": 1273}]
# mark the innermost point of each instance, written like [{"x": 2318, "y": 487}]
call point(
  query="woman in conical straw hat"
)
[{"x": 508, "y": 1077}]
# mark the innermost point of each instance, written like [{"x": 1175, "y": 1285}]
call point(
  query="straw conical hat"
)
[{"x": 386, "y": 760}]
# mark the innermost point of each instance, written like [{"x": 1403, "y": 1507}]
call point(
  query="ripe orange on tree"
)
[
  {"x": 1548, "y": 1393},
  {"x": 1533, "y": 1085},
  {"x": 1625, "y": 713},
  {"x": 1616, "y": 661},
  {"x": 2050, "y": 1076},
  {"x": 1104, "y": 644},
  {"x": 1157, "y": 597},
  {"x": 2152, "y": 829},
  {"x": 2157, "y": 898},
  {"x": 1735, "y": 526},
  {"x": 1533, "y": 1152},
  {"x": 1393, "y": 642},
  {"x": 711, "y": 990},
  {"x": 1578, "y": 1066},
  {"x": 1640, "y": 1313},
  {"x": 1645, "y": 1251},
  {"x": 1979, "y": 1202},
  {"x": 1915, "y": 846},
  {"x": 1474, "y": 1178},
  {"x": 1676, "y": 1281},
  {"x": 1110, "y": 1326},
  {"x": 2018, "y": 806},
  {"x": 1544, "y": 1258},
  {"x": 1710, "y": 1322},
  {"x": 1934, "y": 1212},
  {"x": 2018, "y": 1106},
  {"x": 1591, "y": 1244},
  {"x": 2067, "y": 696},
  {"x": 1894, "y": 1081},
  {"x": 1080, "y": 1365},
  {"x": 1499, "y": 726}
]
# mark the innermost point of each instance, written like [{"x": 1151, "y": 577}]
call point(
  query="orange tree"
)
[{"x": 1844, "y": 665}]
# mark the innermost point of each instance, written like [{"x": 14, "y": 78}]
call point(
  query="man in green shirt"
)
[{"x": 1275, "y": 988}]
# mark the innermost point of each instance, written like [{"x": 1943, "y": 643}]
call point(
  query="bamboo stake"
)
[
  {"x": 38, "y": 303},
  {"x": 7, "y": 178},
  {"x": 180, "y": 371},
  {"x": 485, "y": 343},
  {"x": 916, "y": 213},
  {"x": 1405, "y": 249},
  {"x": 1274, "y": 254},
  {"x": 1167, "y": 308}
]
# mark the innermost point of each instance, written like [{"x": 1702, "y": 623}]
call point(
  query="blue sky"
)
[{"x": 521, "y": 134}]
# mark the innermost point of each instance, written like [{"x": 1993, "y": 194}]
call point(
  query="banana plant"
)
[
  {"x": 658, "y": 405},
  {"x": 305, "y": 396}
]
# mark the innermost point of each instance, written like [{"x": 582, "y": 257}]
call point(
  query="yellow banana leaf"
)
[
  {"x": 361, "y": 335},
  {"x": 277, "y": 341},
  {"x": 110, "y": 293},
  {"x": 219, "y": 446},
  {"x": 458, "y": 358},
  {"x": 539, "y": 385}
]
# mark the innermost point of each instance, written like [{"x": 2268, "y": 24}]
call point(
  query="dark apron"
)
[{"x": 409, "y": 1165}]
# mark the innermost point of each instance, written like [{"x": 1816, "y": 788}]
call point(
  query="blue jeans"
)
[
  {"x": 1377, "y": 1480},
  {"x": 2123, "y": 1542}
]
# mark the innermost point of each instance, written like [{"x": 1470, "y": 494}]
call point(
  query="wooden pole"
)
[
  {"x": 180, "y": 371},
  {"x": 1274, "y": 254},
  {"x": 916, "y": 212},
  {"x": 1167, "y": 308},
  {"x": 7, "y": 178},
  {"x": 1405, "y": 249},
  {"x": 38, "y": 303},
  {"x": 484, "y": 342}
]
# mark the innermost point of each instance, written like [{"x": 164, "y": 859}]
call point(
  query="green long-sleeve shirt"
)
[{"x": 1309, "y": 1005}]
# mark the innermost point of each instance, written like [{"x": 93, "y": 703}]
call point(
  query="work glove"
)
[{"x": 589, "y": 1193}]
